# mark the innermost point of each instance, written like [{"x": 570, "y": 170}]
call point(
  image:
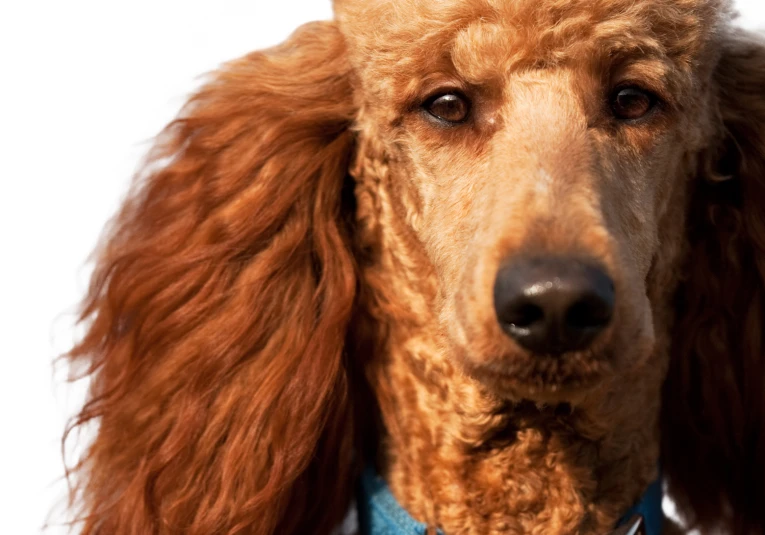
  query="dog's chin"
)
[{"x": 543, "y": 379}]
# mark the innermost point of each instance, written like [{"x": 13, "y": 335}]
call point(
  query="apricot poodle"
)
[{"x": 497, "y": 265}]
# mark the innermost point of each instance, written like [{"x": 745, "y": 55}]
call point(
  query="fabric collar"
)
[{"x": 380, "y": 514}]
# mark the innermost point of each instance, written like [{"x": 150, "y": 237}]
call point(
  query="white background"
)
[{"x": 84, "y": 85}]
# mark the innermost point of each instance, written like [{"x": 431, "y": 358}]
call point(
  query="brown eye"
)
[
  {"x": 451, "y": 107},
  {"x": 630, "y": 103}
]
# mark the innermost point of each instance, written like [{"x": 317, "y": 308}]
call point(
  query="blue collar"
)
[{"x": 380, "y": 513}]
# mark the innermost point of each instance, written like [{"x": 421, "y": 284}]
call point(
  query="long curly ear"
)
[
  {"x": 714, "y": 399},
  {"x": 217, "y": 312}
]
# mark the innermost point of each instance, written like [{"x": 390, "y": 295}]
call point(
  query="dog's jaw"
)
[
  {"x": 458, "y": 457},
  {"x": 461, "y": 460}
]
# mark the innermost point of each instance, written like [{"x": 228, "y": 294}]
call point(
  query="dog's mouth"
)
[{"x": 544, "y": 378}]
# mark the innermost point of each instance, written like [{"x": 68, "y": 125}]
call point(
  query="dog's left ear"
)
[
  {"x": 714, "y": 397},
  {"x": 216, "y": 317}
]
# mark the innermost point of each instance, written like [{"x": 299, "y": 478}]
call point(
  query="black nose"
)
[{"x": 552, "y": 305}]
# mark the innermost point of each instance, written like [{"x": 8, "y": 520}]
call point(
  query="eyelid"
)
[
  {"x": 441, "y": 91},
  {"x": 658, "y": 90},
  {"x": 429, "y": 86}
]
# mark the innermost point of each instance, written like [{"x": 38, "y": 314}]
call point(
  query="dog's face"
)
[{"x": 537, "y": 149}]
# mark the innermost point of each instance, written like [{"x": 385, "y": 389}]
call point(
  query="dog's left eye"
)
[
  {"x": 450, "y": 107},
  {"x": 630, "y": 103}
]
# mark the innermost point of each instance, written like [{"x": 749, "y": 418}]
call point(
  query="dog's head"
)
[
  {"x": 578, "y": 177},
  {"x": 541, "y": 153}
]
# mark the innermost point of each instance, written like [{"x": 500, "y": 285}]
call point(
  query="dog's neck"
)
[{"x": 457, "y": 457}]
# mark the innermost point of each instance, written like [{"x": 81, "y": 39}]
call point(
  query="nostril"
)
[
  {"x": 589, "y": 313},
  {"x": 523, "y": 316}
]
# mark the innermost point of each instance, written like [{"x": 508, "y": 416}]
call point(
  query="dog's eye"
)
[
  {"x": 450, "y": 107},
  {"x": 630, "y": 103}
]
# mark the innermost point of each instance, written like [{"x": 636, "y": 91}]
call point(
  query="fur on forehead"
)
[{"x": 393, "y": 42}]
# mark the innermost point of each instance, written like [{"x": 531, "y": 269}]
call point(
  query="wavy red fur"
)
[
  {"x": 218, "y": 309},
  {"x": 714, "y": 400}
]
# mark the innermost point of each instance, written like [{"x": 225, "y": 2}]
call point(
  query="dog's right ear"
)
[
  {"x": 714, "y": 397},
  {"x": 217, "y": 312}
]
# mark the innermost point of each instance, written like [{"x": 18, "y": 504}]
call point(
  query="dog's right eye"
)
[
  {"x": 630, "y": 103},
  {"x": 452, "y": 108}
]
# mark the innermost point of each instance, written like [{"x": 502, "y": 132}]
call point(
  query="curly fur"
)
[{"x": 300, "y": 281}]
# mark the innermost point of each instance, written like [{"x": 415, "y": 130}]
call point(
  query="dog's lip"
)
[
  {"x": 571, "y": 382},
  {"x": 502, "y": 374},
  {"x": 505, "y": 364}
]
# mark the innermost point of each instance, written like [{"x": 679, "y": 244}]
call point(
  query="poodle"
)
[{"x": 477, "y": 266}]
